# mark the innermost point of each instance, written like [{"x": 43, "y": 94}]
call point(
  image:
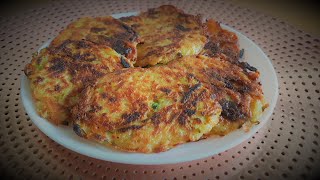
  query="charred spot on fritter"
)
[
  {"x": 57, "y": 87},
  {"x": 237, "y": 85},
  {"x": 133, "y": 127},
  {"x": 58, "y": 65},
  {"x": 155, "y": 118},
  {"x": 121, "y": 47},
  {"x": 182, "y": 28},
  {"x": 185, "y": 114},
  {"x": 61, "y": 47},
  {"x": 241, "y": 53},
  {"x": 79, "y": 131},
  {"x": 96, "y": 30},
  {"x": 247, "y": 66},
  {"x": 165, "y": 90},
  {"x": 212, "y": 48},
  {"x": 112, "y": 99},
  {"x": 215, "y": 75},
  {"x": 189, "y": 112},
  {"x": 82, "y": 44},
  {"x": 228, "y": 84},
  {"x": 68, "y": 47},
  {"x": 104, "y": 95},
  {"x": 84, "y": 57},
  {"x": 244, "y": 89},
  {"x": 38, "y": 80},
  {"x": 188, "y": 94},
  {"x": 230, "y": 53},
  {"x": 182, "y": 119},
  {"x": 128, "y": 118},
  {"x": 124, "y": 62},
  {"x": 179, "y": 55},
  {"x": 130, "y": 33},
  {"x": 230, "y": 110},
  {"x": 95, "y": 108}
]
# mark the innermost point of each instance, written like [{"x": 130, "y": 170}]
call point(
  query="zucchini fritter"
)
[
  {"x": 154, "y": 109},
  {"x": 57, "y": 75},
  {"x": 167, "y": 34},
  {"x": 102, "y": 30},
  {"x": 146, "y": 109},
  {"x": 236, "y": 89}
]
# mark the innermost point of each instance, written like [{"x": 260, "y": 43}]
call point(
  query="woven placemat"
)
[{"x": 286, "y": 147}]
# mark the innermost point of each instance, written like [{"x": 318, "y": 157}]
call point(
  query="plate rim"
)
[{"x": 38, "y": 121}]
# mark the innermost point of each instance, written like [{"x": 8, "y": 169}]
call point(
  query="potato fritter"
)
[
  {"x": 154, "y": 109},
  {"x": 236, "y": 86},
  {"x": 146, "y": 109},
  {"x": 167, "y": 34},
  {"x": 102, "y": 30},
  {"x": 57, "y": 75}
]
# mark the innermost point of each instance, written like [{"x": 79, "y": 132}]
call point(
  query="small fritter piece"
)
[
  {"x": 146, "y": 109},
  {"x": 221, "y": 41},
  {"x": 236, "y": 88},
  {"x": 103, "y": 31},
  {"x": 57, "y": 75},
  {"x": 167, "y": 34}
]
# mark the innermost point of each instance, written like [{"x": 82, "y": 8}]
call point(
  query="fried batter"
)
[
  {"x": 146, "y": 109},
  {"x": 57, "y": 75},
  {"x": 237, "y": 89},
  {"x": 102, "y": 30},
  {"x": 167, "y": 34},
  {"x": 154, "y": 109}
]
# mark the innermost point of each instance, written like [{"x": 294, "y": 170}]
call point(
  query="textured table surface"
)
[{"x": 286, "y": 147}]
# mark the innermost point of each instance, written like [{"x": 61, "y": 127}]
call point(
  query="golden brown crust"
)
[
  {"x": 146, "y": 110},
  {"x": 167, "y": 33},
  {"x": 103, "y": 31},
  {"x": 58, "y": 74},
  {"x": 188, "y": 84},
  {"x": 236, "y": 87}
]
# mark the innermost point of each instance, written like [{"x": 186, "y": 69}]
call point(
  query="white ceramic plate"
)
[{"x": 185, "y": 152}]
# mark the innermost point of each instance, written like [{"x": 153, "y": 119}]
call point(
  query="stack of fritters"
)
[{"x": 192, "y": 84}]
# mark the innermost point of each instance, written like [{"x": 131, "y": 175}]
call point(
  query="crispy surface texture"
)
[
  {"x": 167, "y": 33},
  {"x": 188, "y": 82},
  {"x": 154, "y": 109},
  {"x": 235, "y": 86},
  {"x": 146, "y": 110},
  {"x": 57, "y": 75},
  {"x": 103, "y": 31}
]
